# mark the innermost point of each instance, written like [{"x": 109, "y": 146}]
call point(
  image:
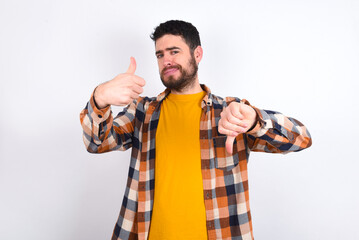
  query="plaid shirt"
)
[{"x": 225, "y": 178}]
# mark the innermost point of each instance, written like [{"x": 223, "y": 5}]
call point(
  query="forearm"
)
[
  {"x": 277, "y": 133},
  {"x": 103, "y": 133}
]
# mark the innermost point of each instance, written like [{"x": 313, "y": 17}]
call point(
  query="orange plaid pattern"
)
[{"x": 225, "y": 178}]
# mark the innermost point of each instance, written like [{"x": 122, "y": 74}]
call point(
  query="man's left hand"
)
[{"x": 235, "y": 119}]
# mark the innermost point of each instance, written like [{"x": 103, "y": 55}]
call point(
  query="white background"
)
[{"x": 297, "y": 57}]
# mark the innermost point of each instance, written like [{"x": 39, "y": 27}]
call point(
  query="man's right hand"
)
[{"x": 121, "y": 90}]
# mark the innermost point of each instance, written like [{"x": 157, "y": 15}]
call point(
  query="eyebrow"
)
[{"x": 168, "y": 49}]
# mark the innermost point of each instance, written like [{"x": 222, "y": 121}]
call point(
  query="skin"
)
[
  {"x": 121, "y": 90},
  {"x": 236, "y": 119},
  {"x": 171, "y": 51}
]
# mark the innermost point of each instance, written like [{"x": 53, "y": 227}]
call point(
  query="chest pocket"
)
[{"x": 224, "y": 160}]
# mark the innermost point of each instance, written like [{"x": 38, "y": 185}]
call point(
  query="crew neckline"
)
[{"x": 186, "y": 97}]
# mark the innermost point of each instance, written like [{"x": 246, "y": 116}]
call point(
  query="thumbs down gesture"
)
[
  {"x": 121, "y": 90},
  {"x": 236, "y": 118}
]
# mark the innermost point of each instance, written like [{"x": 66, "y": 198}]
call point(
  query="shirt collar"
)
[{"x": 206, "y": 101}]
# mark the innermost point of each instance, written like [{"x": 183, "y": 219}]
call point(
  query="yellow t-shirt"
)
[{"x": 178, "y": 208}]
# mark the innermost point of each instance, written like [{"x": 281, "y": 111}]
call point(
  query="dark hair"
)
[{"x": 179, "y": 28}]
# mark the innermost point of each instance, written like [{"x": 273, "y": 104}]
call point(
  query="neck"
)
[{"x": 192, "y": 89}]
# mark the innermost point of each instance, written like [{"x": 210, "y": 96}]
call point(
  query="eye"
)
[
  {"x": 159, "y": 56},
  {"x": 174, "y": 52}
]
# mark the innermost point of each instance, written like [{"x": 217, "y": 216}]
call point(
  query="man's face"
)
[{"x": 177, "y": 65}]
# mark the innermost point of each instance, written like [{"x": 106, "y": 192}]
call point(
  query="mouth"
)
[{"x": 170, "y": 71}]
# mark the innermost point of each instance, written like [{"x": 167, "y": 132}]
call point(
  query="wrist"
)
[
  {"x": 98, "y": 99},
  {"x": 253, "y": 125},
  {"x": 256, "y": 124}
]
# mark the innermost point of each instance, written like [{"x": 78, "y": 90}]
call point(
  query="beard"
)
[{"x": 186, "y": 79}]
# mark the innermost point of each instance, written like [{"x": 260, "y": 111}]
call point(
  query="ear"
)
[{"x": 198, "y": 54}]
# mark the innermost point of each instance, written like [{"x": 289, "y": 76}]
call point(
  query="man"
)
[{"x": 188, "y": 171}]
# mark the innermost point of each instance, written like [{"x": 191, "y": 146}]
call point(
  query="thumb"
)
[
  {"x": 132, "y": 68},
  {"x": 229, "y": 144}
]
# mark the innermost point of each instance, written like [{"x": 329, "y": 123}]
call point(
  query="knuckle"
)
[
  {"x": 239, "y": 129},
  {"x": 126, "y": 92},
  {"x": 226, "y": 124},
  {"x": 231, "y": 118},
  {"x": 220, "y": 129}
]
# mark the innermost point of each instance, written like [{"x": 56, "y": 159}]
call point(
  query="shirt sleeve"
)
[
  {"x": 276, "y": 133},
  {"x": 102, "y": 132}
]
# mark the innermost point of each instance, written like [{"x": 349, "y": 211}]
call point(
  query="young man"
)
[{"x": 188, "y": 171}]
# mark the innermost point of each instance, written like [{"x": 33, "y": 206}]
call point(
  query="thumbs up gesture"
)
[
  {"x": 235, "y": 119},
  {"x": 121, "y": 90}
]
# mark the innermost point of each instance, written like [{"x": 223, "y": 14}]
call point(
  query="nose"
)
[{"x": 167, "y": 60}]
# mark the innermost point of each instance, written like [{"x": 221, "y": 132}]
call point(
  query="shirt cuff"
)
[
  {"x": 259, "y": 123},
  {"x": 99, "y": 115}
]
